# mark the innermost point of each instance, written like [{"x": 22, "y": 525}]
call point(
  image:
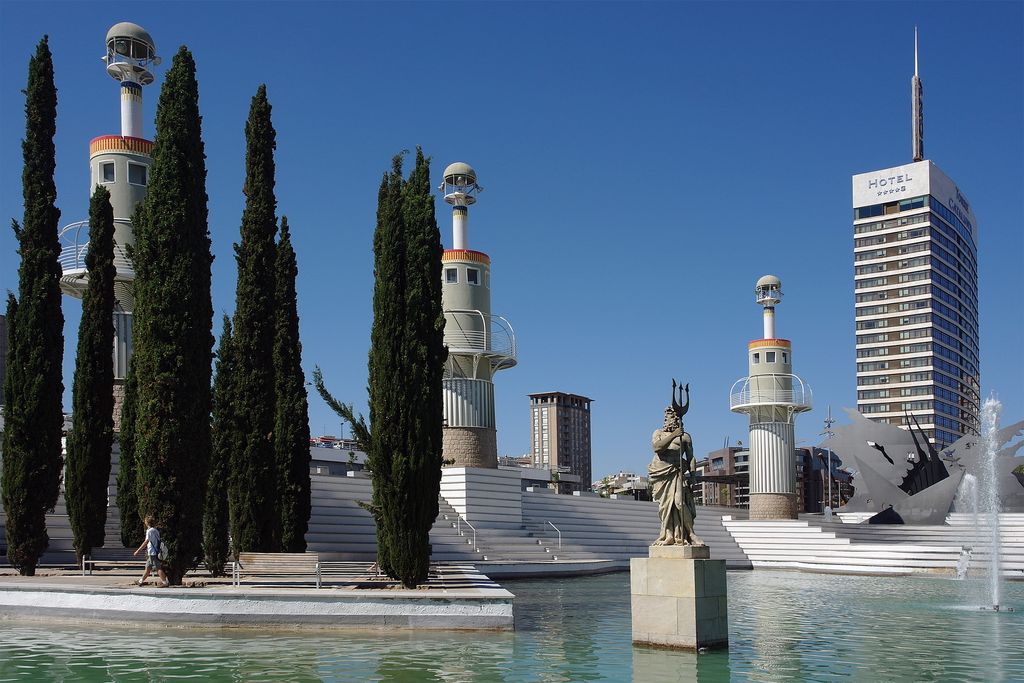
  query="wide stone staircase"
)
[
  {"x": 595, "y": 528},
  {"x": 811, "y": 543},
  {"x": 340, "y": 530},
  {"x": 61, "y": 550}
]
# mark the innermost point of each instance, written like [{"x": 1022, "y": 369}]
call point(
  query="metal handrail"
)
[
  {"x": 559, "y": 534},
  {"x": 495, "y": 335},
  {"x": 458, "y": 529},
  {"x": 74, "y": 245},
  {"x": 785, "y": 389}
]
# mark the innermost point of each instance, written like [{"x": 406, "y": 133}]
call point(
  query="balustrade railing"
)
[
  {"x": 769, "y": 389},
  {"x": 473, "y": 331},
  {"x": 74, "y": 245}
]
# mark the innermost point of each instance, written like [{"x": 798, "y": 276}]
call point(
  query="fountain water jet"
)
[{"x": 988, "y": 492}]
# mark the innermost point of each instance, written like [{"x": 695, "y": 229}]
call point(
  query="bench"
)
[
  {"x": 275, "y": 564},
  {"x": 113, "y": 558}
]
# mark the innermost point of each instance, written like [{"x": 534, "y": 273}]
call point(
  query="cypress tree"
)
[
  {"x": 215, "y": 513},
  {"x": 254, "y": 473},
  {"x": 132, "y": 529},
  {"x": 417, "y": 467},
  {"x": 291, "y": 420},
  {"x": 387, "y": 369},
  {"x": 172, "y": 326},
  {"x": 406, "y": 361},
  {"x": 92, "y": 432},
  {"x": 33, "y": 415}
]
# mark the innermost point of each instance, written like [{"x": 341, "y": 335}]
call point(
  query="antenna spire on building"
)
[{"x": 917, "y": 99}]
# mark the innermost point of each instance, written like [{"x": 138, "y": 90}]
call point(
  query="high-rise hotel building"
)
[{"x": 916, "y": 290}]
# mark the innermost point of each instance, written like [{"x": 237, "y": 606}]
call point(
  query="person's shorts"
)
[{"x": 153, "y": 562}]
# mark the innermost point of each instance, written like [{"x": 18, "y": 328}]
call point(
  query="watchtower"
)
[
  {"x": 479, "y": 343},
  {"x": 772, "y": 396},
  {"x": 121, "y": 164}
]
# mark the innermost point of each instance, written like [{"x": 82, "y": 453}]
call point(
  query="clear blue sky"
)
[{"x": 644, "y": 164}]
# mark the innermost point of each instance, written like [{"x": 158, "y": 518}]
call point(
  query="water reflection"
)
[{"x": 783, "y": 626}]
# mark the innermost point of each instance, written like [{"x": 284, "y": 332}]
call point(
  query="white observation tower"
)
[
  {"x": 479, "y": 343},
  {"x": 121, "y": 164},
  {"x": 772, "y": 396}
]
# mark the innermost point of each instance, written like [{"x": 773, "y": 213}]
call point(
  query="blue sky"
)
[{"x": 643, "y": 165}]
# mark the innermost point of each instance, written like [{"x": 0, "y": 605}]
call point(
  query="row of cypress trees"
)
[
  {"x": 406, "y": 362},
  {"x": 165, "y": 442},
  {"x": 249, "y": 467},
  {"x": 259, "y": 484}
]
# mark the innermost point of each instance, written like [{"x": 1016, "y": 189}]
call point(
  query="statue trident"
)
[{"x": 679, "y": 407}]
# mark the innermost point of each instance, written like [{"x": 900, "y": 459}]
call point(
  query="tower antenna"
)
[{"x": 917, "y": 107}]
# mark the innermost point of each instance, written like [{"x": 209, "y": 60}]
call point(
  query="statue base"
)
[{"x": 679, "y": 598}]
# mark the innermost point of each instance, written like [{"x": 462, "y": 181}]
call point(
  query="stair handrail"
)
[
  {"x": 559, "y": 534},
  {"x": 458, "y": 528}
]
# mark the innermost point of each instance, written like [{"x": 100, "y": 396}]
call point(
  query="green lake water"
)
[{"x": 784, "y": 626}]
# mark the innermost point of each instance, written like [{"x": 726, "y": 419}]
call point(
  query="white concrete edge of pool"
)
[{"x": 478, "y": 608}]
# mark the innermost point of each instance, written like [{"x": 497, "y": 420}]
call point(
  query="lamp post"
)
[{"x": 828, "y": 468}]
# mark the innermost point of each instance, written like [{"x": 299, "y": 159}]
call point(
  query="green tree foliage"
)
[
  {"x": 387, "y": 369},
  {"x": 254, "y": 473},
  {"x": 33, "y": 415},
  {"x": 92, "y": 432},
  {"x": 407, "y": 356},
  {"x": 172, "y": 326},
  {"x": 416, "y": 469},
  {"x": 132, "y": 528},
  {"x": 215, "y": 513},
  {"x": 291, "y": 422}
]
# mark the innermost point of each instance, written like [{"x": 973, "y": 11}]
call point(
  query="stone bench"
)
[{"x": 276, "y": 564}]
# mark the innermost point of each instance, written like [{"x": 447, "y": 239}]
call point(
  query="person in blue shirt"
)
[{"x": 152, "y": 543}]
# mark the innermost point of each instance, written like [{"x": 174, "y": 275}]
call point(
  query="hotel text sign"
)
[
  {"x": 888, "y": 184},
  {"x": 912, "y": 180}
]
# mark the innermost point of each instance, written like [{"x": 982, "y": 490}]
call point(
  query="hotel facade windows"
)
[{"x": 923, "y": 311}]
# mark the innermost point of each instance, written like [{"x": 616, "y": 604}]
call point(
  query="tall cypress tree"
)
[
  {"x": 132, "y": 530},
  {"x": 92, "y": 432},
  {"x": 172, "y": 326},
  {"x": 407, "y": 355},
  {"x": 291, "y": 422},
  {"x": 254, "y": 472},
  {"x": 387, "y": 369},
  {"x": 215, "y": 513},
  {"x": 417, "y": 467},
  {"x": 33, "y": 415}
]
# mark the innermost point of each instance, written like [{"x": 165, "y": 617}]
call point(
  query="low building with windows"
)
[
  {"x": 623, "y": 485},
  {"x": 725, "y": 479}
]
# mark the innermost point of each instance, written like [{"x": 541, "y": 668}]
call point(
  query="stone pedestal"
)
[
  {"x": 772, "y": 506},
  {"x": 679, "y": 598}
]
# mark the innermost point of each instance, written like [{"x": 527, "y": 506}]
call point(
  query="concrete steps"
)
[
  {"x": 958, "y": 532},
  {"x": 615, "y": 529},
  {"x": 815, "y": 545}
]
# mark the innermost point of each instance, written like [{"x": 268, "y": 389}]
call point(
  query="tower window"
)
[
  {"x": 757, "y": 358},
  {"x": 451, "y": 276},
  {"x": 769, "y": 357},
  {"x": 107, "y": 172},
  {"x": 472, "y": 276},
  {"x": 136, "y": 174}
]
